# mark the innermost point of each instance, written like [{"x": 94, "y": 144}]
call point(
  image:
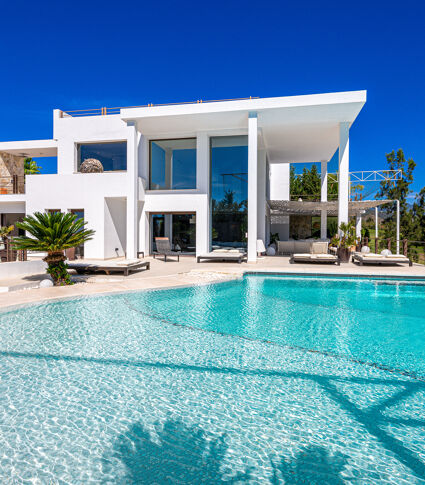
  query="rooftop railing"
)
[{"x": 116, "y": 110}]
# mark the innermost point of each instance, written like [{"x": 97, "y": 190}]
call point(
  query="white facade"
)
[{"x": 118, "y": 204}]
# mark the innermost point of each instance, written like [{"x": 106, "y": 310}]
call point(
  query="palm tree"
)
[
  {"x": 53, "y": 233},
  {"x": 31, "y": 167}
]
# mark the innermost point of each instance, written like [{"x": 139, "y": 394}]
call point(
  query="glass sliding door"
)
[
  {"x": 179, "y": 228},
  {"x": 229, "y": 190}
]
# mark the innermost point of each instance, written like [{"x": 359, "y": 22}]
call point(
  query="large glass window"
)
[
  {"x": 179, "y": 228},
  {"x": 172, "y": 164},
  {"x": 112, "y": 155},
  {"x": 229, "y": 190}
]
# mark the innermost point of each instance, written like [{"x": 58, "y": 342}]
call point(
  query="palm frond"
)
[{"x": 52, "y": 232}]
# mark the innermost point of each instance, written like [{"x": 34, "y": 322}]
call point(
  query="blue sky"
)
[{"x": 72, "y": 55}]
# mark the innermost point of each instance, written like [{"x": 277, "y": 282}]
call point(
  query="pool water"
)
[{"x": 267, "y": 379}]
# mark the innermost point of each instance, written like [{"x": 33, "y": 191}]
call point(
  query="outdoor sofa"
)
[
  {"x": 223, "y": 255},
  {"x": 318, "y": 254},
  {"x": 293, "y": 246},
  {"x": 372, "y": 258},
  {"x": 125, "y": 266}
]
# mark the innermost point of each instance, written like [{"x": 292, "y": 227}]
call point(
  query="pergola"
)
[{"x": 284, "y": 208}]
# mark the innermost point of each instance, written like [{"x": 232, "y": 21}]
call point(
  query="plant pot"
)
[{"x": 344, "y": 254}]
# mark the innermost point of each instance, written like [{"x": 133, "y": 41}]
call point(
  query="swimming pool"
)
[{"x": 267, "y": 379}]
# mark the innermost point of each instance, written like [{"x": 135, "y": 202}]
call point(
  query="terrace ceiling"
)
[{"x": 291, "y": 129}]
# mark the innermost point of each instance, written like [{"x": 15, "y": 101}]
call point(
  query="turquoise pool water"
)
[{"x": 267, "y": 379}]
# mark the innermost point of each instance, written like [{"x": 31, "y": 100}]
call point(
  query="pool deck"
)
[{"x": 186, "y": 272}]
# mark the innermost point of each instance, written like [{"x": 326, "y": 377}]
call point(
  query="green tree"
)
[
  {"x": 31, "y": 167},
  {"x": 418, "y": 212},
  {"x": 397, "y": 190},
  {"x": 308, "y": 184},
  {"x": 53, "y": 233}
]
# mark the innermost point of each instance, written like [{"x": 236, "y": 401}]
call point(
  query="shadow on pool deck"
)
[{"x": 372, "y": 418}]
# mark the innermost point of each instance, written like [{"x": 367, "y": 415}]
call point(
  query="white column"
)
[
  {"x": 132, "y": 190},
  {"x": 203, "y": 216},
  {"x": 343, "y": 176},
  {"x": 376, "y": 222},
  {"x": 252, "y": 186},
  {"x": 324, "y": 198},
  {"x": 261, "y": 194},
  {"x": 398, "y": 227},
  {"x": 358, "y": 225},
  {"x": 168, "y": 168},
  {"x": 168, "y": 227}
]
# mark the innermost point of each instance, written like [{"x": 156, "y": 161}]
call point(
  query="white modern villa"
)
[{"x": 204, "y": 174}]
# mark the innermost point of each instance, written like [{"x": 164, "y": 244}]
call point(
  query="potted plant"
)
[{"x": 345, "y": 240}]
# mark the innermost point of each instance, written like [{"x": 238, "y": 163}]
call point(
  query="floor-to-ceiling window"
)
[
  {"x": 229, "y": 190},
  {"x": 172, "y": 164}
]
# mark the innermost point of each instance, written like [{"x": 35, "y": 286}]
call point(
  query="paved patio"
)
[{"x": 185, "y": 272}]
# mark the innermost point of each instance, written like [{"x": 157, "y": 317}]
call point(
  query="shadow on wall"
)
[
  {"x": 186, "y": 454},
  {"x": 180, "y": 454}
]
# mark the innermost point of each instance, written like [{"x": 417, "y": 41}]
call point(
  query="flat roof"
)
[
  {"x": 30, "y": 148},
  {"x": 292, "y": 128}
]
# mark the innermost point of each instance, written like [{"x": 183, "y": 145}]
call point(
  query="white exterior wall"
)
[
  {"x": 160, "y": 201},
  {"x": 279, "y": 190},
  {"x": 91, "y": 129},
  {"x": 115, "y": 227},
  {"x": 78, "y": 191}
]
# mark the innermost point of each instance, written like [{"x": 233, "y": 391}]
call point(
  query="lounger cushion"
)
[
  {"x": 127, "y": 262},
  {"x": 319, "y": 247}
]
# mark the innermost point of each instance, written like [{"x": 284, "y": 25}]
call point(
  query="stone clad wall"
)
[
  {"x": 11, "y": 165},
  {"x": 300, "y": 227}
]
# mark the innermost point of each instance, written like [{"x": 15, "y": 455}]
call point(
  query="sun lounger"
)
[
  {"x": 223, "y": 255},
  {"x": 125, "y": 266},
  {"x": 163, "y": 248},
  {"x": 314, "y": 258},
  {"x": 372, "y": 258}
]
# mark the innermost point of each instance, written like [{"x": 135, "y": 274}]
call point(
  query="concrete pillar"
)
[
  {"x": 144, "y": 241},
  {"x": 398, "y": 228},
  {"x": 358, "y": 225},
  {"x": 343, "y": 176},
  {"x": 168, "y": 227},
  {"x": 324, "y": 198},
  {"x": 203, "y": 221},
  {"x": 168, "y": 168},
  {"x": 261, "y": 194},
  {"x": 376, "y": 222},
  {"x": 252, "y": 186},
  {"x": 132, "y": 190}
]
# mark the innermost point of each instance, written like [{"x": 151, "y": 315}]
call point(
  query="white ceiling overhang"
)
[
  {"x": 293, "y": 129},
  {"x": 30, "y": 148}
]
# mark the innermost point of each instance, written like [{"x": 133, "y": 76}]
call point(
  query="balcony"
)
[{"x": 12, "y": 185}]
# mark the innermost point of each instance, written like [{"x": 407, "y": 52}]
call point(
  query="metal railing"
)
[
  {"x": 12, "y": 185},
  {"x": 116, "y": 110},
  {"x": 414, "y": 250},
  {"x": 9, "y": 254}
]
